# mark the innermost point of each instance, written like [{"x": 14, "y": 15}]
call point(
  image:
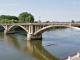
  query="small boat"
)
[{"x": 50, "y": 44}]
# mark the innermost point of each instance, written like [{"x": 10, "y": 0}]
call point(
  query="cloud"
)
[
  {"x": 1, "y": 11},
  {"x": 50, "y": 12},
  {"x": 67, "y": 13},
  {"x": 71, "y": 12},
  {"x": 77, "y": 12},
  {"x": 12, "y": 4},
  {"x": 76, "y": 3}
]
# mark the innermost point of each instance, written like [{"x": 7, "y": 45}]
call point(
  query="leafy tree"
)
[
  {"x": 23, "y": 17},
  {"x": 2, "y": 21},
  {"x": 26, "y": 17},
  {"x": 8, "y": 17},
  {"x": 47, "y": 21},
  {"x": 39, "y": 20},
  {"x": 72, "y": 21},
  {"x": 20, "y": 21}
]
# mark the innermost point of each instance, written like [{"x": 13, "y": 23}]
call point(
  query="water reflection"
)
[{"x": 35, "y": 47}]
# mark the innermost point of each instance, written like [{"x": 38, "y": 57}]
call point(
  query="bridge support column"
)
[
  {"x": 5, "y": 31},
  {"x": 34, "y": 37},
  {"x": 9, "y": 32}
]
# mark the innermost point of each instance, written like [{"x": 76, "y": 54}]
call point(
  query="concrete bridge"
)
[{"x": 34, "y": 30}]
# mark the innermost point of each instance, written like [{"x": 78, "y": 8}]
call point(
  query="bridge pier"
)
[
  {"x": 9, "y": 32},
  {"x": 34, "y": 37}
]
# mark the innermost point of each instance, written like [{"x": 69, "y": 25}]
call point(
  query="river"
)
[{"x": 64, "y": 42}]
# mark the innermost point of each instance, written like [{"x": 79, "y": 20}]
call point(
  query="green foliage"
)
[
  {"x": 8, "y": 21},
  {"x": 20, "y": 21},
  {"x": 47, "y": 21},
  {"x": 8, "y": 17},
  {"x": 39, "y": 20},
  {"x": 26, "y": 17},
  {"x": 72, "y": 21},
  {"x": 23, "y": 17}
]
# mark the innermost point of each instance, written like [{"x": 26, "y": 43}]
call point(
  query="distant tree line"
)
[{"x": 23, "y": 17}]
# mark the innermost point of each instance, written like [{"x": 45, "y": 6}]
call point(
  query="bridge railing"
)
[{"x": 42, "y": 23}]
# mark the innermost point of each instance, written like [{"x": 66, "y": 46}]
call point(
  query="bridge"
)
[{"x": 34, "y": 30}]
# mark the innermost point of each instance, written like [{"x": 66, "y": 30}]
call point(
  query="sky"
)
[{"x": 45, "y": 10}]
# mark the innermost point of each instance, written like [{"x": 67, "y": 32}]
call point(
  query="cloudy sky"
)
[{"x": 52, "y": 10}]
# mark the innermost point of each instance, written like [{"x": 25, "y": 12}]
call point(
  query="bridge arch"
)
[
  {"x": 45, "y": 28},
  {"x": 3, "y": 27},
  {"x": 14, "y": 26}
]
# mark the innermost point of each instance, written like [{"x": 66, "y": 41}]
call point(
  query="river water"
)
[{"x": 64, "y": 42}]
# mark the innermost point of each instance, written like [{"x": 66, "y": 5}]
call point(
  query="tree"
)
[
  {"x": 8, "y": 17},
  {"x": 39, "y": 20},
  {"x": 20, "y": 21},
  {"x": 47, "y": 21},
  {"x": 26, "y": 17},
  {"x": 72, "y": 21}
]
